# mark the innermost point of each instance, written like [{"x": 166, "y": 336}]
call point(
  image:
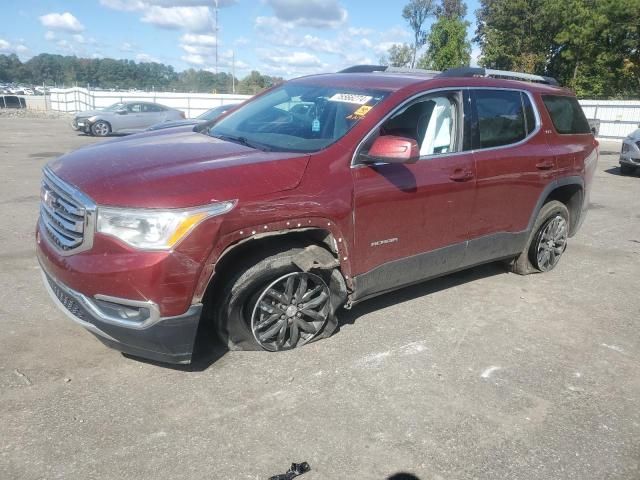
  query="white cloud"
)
[
  {"x": 476, "y": 54},
  {"x": 194, "y": 39},
  {"x": 294, "y": 59},
  {"x": 193, "y": 19},
  {"x": 50, "y": 36},
  {"x": 62, "y": 21},
  {"x": 309, "y": 13},
  {"x": 193, "y": 59},
  {"x": 123, "y": 5},
  {"x": 78, "y": 38},
  {"x": 145, "y": 57},
  {"x": 8, "y": 47},
  {"x": 127, "y": 47},
  {"x": 191, "y": 3}
]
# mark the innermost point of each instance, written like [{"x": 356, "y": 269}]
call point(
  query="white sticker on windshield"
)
[{"x": 350, "y": 98}]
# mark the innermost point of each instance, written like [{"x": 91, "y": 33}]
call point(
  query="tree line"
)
[
  {"x": 108, "y": 73},
  {"x": 590, "y": 46}
]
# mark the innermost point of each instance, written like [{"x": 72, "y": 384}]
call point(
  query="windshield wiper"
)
[{"x": 242, "y": 141}]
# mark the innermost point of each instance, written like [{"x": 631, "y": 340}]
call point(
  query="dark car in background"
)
[
  {"x": 207, "y": 116},
  {"x": 12, "y": 101}
]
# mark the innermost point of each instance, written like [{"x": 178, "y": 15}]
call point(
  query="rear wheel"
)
[
  {"x": 626, "y": 169},
  {"x": 271, "y": 304},
  {"x": 101, "y": 128},
  {"x": 547, "y": 242}
]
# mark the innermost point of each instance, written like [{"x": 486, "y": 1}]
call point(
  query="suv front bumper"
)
[{"x": 164, "y": 339}]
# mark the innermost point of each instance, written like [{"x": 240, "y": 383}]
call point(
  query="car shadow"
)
[
  {"x": 207, "y": 351},
  {"x": 403, "y": 476},
  {"x": 348, "y": 317},
  {"x": 618, "y": 172}
]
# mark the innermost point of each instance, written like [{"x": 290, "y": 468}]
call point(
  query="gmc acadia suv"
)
[{"x": 319, "y": 193}]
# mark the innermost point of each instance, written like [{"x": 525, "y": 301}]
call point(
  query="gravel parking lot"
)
[{"x": 481, "y": 374}]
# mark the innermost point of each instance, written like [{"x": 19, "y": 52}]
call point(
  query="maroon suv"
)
[{"x": 319, "y": 193}]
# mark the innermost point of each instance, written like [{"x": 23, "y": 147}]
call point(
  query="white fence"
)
[
  {"x": 617, "y": 118},
  {"x": 192, "y": 104}
]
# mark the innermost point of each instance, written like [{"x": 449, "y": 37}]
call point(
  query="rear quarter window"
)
[{"x": 566, "y": 114}]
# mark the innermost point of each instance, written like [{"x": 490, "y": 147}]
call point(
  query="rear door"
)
[
  {"x": 513, "y": 166},
  {"x": 411, "y": 220},
  {"x": 569, "y": 136}
]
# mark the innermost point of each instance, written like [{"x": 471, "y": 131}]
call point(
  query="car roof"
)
[{"x": 394, "y": 81}]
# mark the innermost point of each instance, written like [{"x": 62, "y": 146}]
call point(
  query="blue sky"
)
[{"x": 287, "y": 38}]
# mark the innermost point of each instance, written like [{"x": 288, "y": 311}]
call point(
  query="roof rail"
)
[
  {"x": 487, "y": 72},
  {"x": 364, "y": 69},
  {"x": 385, "y": 68}
]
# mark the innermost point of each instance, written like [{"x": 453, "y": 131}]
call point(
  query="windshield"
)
[
  {"x": 115, "y": 107},
  {"x": 214, "y": 112},
  {"x": 297, "y": 118}
]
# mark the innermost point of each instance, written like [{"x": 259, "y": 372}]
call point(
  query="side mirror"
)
[
  {"x": 392, "y": 149},
  {"x": 594, "y": 130},
  {"x": 121, "y": 112}
]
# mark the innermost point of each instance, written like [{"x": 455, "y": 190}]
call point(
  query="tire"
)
[
  {"x": 549, "y": 235},
  {"x": 100, "y": 129},
  {"x": 243, "y": 303},
  {"x": 626, "y": 169}
]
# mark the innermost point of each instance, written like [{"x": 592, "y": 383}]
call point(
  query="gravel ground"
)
[{"x": 478, "y": 375}]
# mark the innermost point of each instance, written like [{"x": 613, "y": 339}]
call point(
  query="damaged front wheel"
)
[
  {"x": 291, "y": 311},
  {"x": 281, "y": 301}
]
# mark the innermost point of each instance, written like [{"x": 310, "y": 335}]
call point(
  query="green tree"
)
[
  {"x": 592, "y": 46},
  {"x": 399, "y": 55},
  {"x": 513, "y": 34},
  {"x": 416, "y": 13},
  {"x": 447, "y": 40}
]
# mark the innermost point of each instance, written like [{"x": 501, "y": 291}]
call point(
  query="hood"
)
[
  {"x": 635, "y": 135},
  {"x": 172, "y": 169},
  {"x": 89, "y": 113},
  {"x": 175, "y": 123}
]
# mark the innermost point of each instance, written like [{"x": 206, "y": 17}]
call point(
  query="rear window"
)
[
  {"x": 566, "y": 114},
  {"x": 501, "y": 117}
]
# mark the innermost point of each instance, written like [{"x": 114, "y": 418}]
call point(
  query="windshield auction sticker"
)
[
  {"x": 350, "y": 98},
  {"x": 359, "y": 113}
]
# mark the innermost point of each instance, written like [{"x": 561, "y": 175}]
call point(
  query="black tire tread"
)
[{"x": 522, "y": 264}]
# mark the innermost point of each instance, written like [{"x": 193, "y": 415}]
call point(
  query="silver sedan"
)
[
  {"x": 125, "y": 117},
  {"x": 630, "y": 154}
]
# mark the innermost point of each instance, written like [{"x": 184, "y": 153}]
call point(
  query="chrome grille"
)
[{"x": 66, "y": 215}]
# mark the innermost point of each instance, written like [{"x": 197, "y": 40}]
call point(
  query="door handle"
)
[
  {"x": 461, "y": 175},
  {"x": 545, "y": 164}
]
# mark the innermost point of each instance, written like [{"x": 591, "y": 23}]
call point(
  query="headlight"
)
[{"x": 155, "y": 229}]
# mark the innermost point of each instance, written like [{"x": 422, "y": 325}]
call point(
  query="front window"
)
[
  {"x": 115, "y": 107},
  {"x": 298, "y": 118}
]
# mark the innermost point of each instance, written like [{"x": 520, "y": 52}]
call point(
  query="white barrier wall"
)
[
  {"x": 192, "y": 104},
  {"x": 618, "y": 118}
]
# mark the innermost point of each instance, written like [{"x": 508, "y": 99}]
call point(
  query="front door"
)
[{"x": 411, "y": 219}]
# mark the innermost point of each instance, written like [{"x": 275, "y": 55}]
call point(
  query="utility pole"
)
[
  {"x": 216, "y": 29},
  {"x": 233, "y": 71}
]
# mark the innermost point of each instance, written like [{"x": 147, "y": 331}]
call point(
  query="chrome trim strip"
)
[
  {"x": 89, "y": 326},
  {"x": 88, "y": 304}
]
